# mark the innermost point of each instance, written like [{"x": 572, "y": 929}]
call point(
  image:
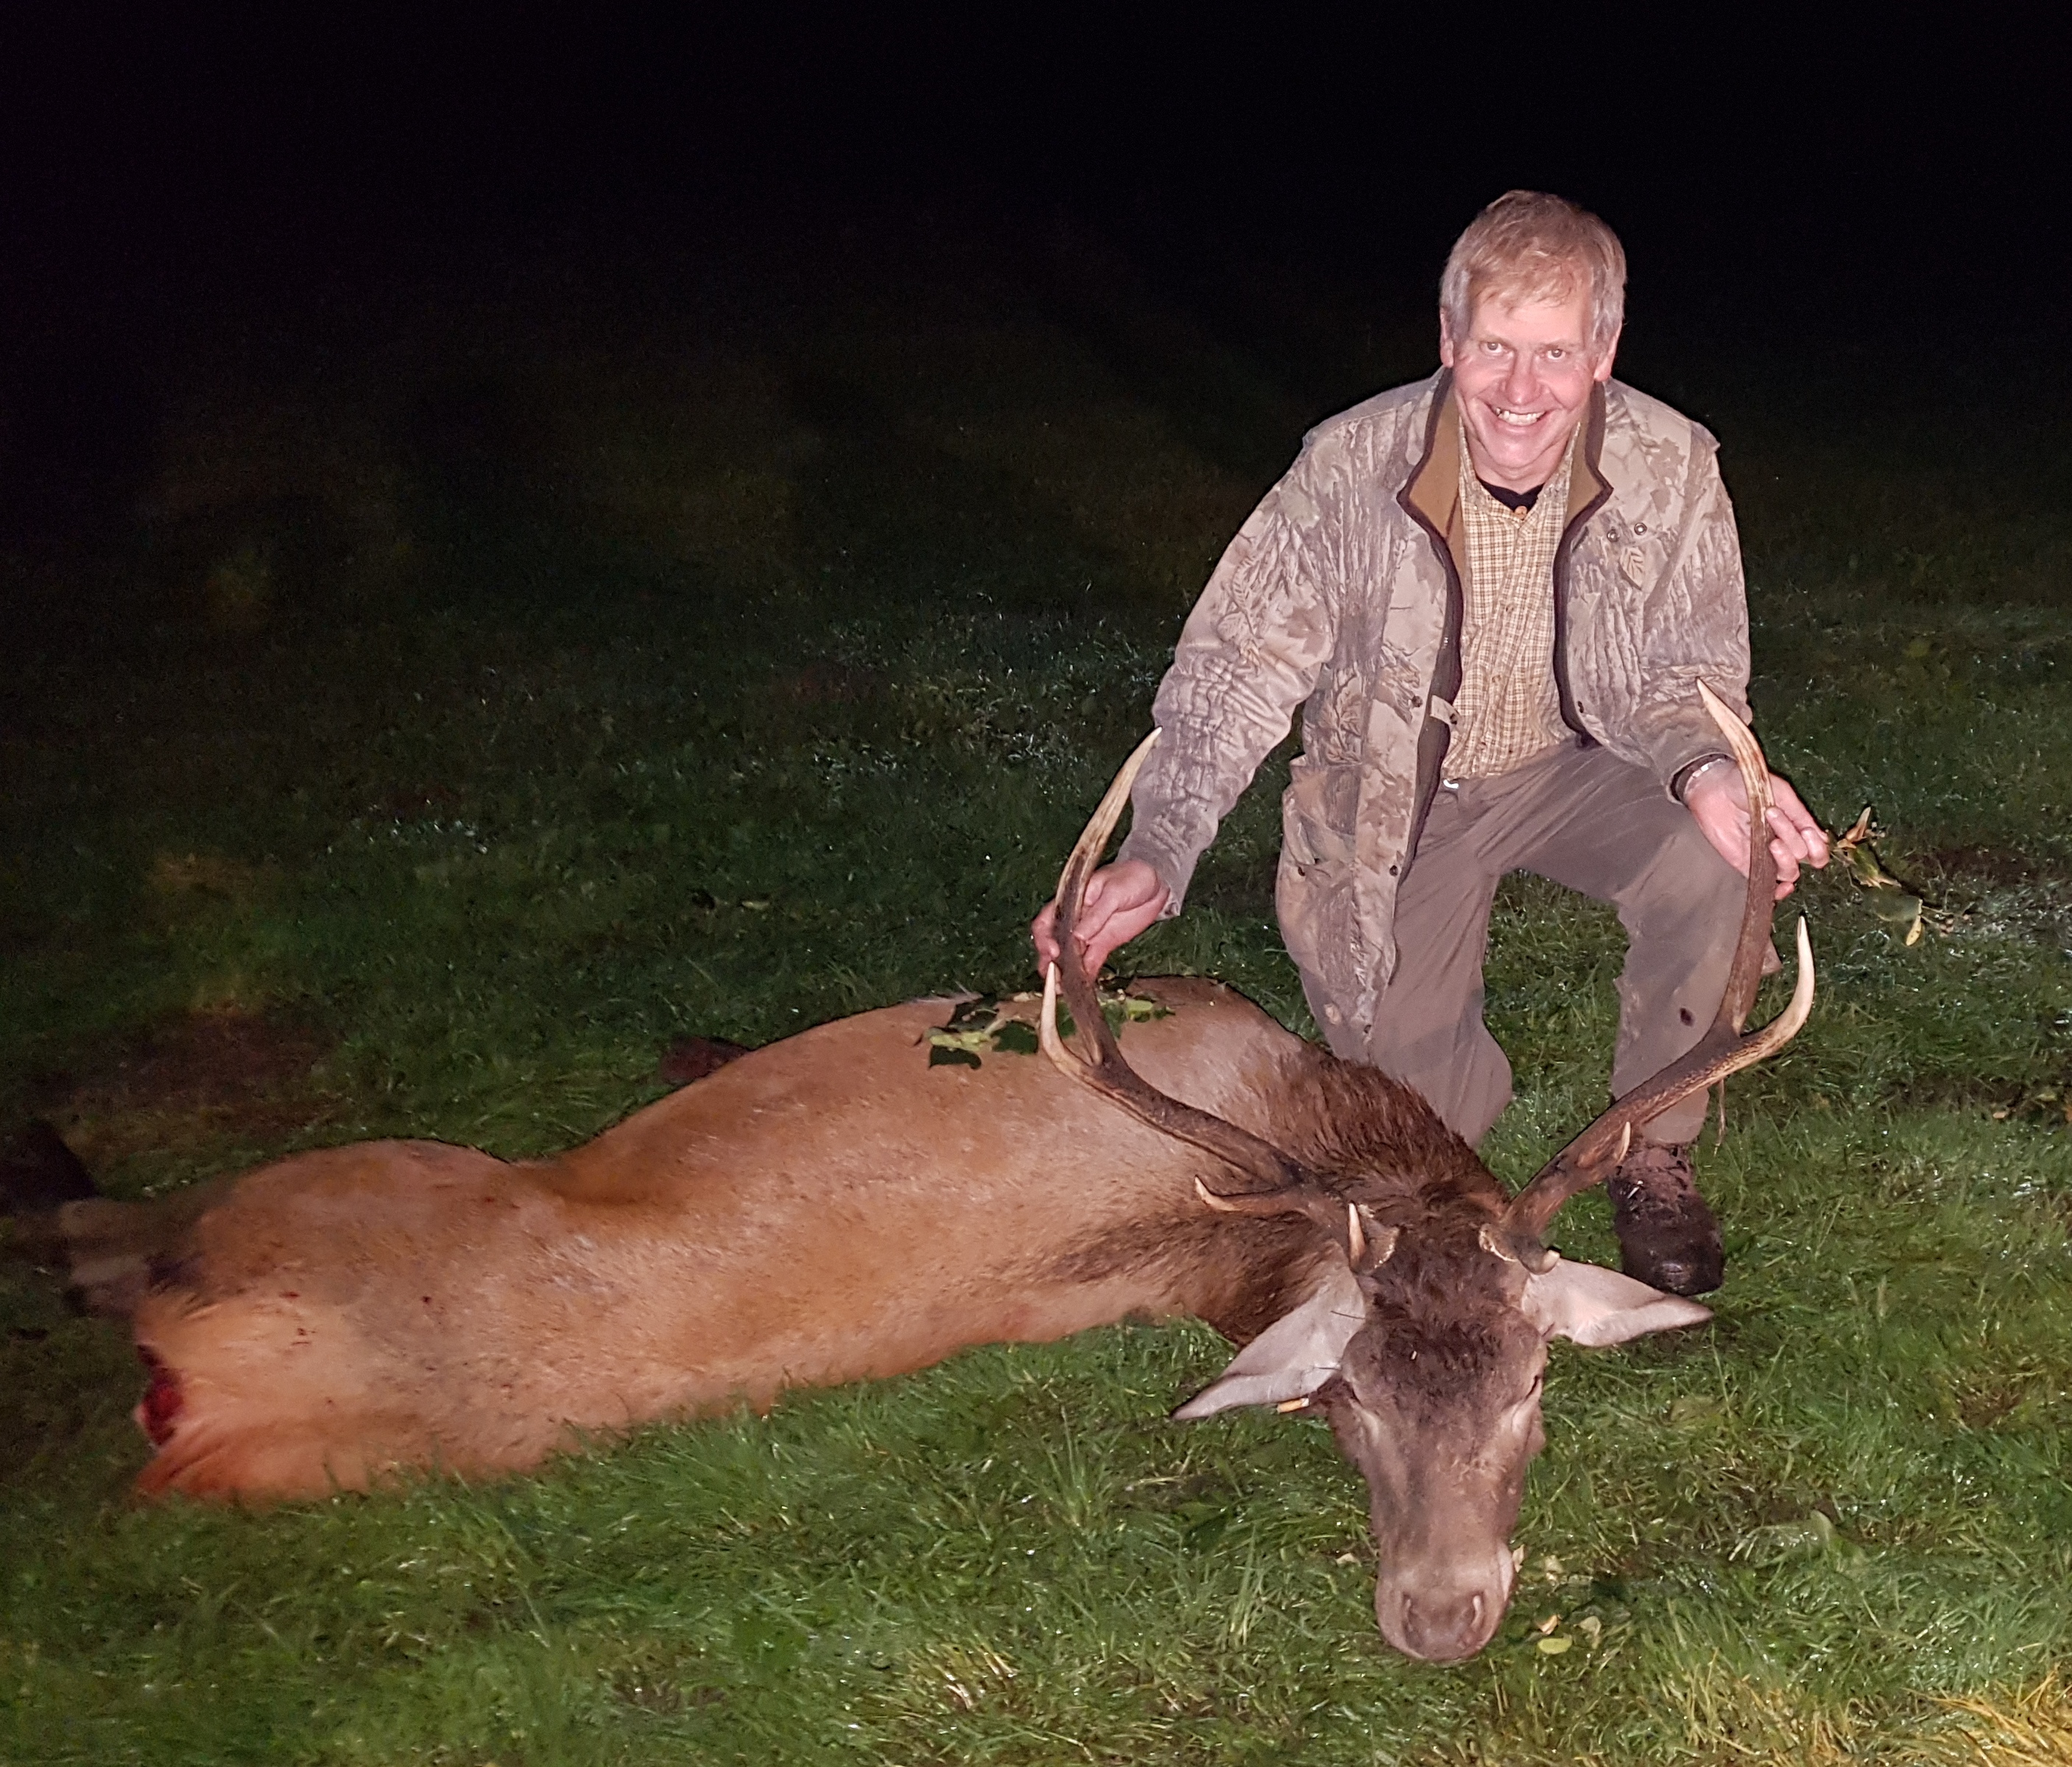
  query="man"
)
[{"x": 1493, "y": 594}]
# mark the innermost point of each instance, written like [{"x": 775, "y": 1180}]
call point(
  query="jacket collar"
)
[
  {"x": 1434, "y": 490},
  {"x": 1587, "y": 487}
]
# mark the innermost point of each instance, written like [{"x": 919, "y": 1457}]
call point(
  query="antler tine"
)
[
  {"x": 1723, "y": 1049},
  {"x": 1106, "y": 1072}
]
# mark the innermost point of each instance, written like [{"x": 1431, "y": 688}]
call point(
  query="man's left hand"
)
[{"x": 1719, "y": 801}]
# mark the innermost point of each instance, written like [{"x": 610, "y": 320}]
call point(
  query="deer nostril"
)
[{"x": 1445, "y": 1631}]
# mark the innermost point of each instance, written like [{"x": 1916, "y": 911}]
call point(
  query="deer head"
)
[{"x": 1425, "y": 1343}]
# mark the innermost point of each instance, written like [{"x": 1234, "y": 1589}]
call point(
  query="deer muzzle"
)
[{"x": 1447, "y": 1612}]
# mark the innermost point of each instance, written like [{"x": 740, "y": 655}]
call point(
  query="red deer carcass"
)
[{"x": 833, "y": 1207}]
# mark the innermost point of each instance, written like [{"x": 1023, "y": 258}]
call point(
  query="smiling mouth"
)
[{"x": 1517, "y": 420}]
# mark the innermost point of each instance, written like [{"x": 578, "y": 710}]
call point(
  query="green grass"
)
[{"x": 435, "y": 758}]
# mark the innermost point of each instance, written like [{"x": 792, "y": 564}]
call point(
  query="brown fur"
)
[
  {"x": 828, "y": 1208},
  {"x": 1440, "y": 1294},
  {"x": 1243, "y": 1272},
  {"x": 832, "y": 1208}
]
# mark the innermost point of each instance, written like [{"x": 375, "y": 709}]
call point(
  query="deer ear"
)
[
  {"x": 1293, "y": 1356},
  {"x": 1590, "y": 1305}
]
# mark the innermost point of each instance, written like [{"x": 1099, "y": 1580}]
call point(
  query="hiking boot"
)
[{"x": 1667, "y": 1237}]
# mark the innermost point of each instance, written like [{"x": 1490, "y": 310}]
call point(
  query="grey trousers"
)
[{"x": 1592, "y": 824}]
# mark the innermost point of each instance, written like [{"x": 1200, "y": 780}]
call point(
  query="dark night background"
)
[{"x": 1884, "y": 202}]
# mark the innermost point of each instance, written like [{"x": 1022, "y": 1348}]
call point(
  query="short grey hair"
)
[{"x": 1529, "y": 246}]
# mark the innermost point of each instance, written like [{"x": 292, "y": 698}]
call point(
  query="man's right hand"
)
[
  {"x": 1718, "y": 801},
  {"x": 1122, "y": 900}
]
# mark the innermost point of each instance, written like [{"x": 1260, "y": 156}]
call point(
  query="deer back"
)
[{"x": 829, "y": 1208}]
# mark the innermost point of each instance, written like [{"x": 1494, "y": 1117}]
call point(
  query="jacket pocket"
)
[
  {"x": 1319, "y": 814},
  {"x": 1314, "y": 894}
]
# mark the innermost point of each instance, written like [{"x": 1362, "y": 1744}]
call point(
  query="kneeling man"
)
[{"x": 1492, "y": 594}]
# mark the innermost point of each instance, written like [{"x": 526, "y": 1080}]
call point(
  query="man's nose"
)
[{"x": 1521, "y": 380}]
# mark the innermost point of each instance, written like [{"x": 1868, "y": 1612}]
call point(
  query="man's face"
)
[{"x": 1522, "y": 375}]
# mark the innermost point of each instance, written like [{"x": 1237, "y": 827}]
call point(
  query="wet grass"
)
[{"x": 463, "y": 738}]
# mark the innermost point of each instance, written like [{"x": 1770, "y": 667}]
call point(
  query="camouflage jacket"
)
[{"x": 1342, "y": 594}]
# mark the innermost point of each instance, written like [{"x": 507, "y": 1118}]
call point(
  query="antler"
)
[
  {"x": 1722, "y": 1050},
  {"x": 1289, "y": 1187}
]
